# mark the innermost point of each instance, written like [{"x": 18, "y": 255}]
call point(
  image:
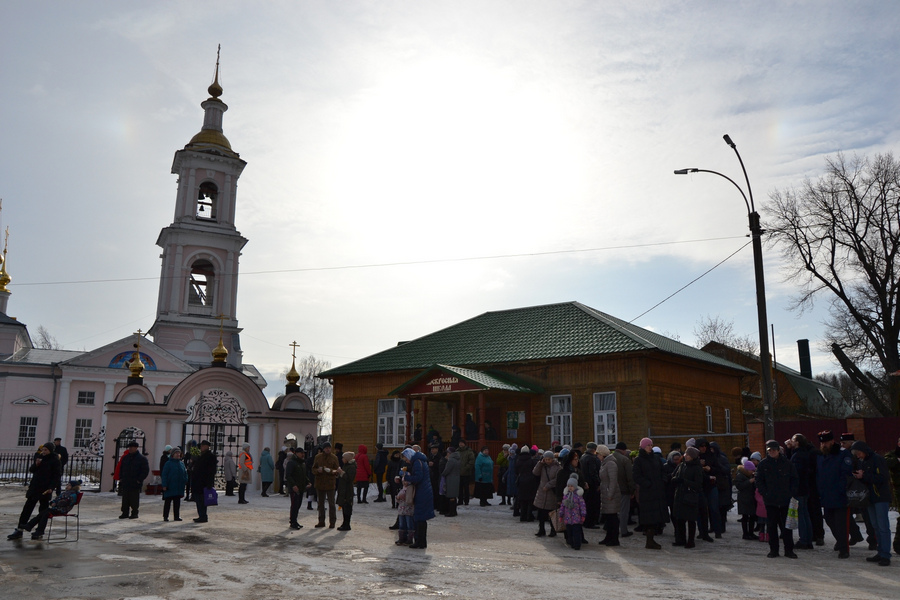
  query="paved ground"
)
[{"x": 248, "y": 552}]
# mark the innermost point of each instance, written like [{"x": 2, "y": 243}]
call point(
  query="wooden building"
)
[{"x": 560, "y": 372}]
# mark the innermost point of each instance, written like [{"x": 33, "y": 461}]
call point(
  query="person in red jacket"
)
[{"x": 363, "y": 474}]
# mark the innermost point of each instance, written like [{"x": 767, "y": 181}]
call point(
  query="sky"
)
[{"x": 413, "y": 165}]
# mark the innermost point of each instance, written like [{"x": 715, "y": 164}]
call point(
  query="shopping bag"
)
[
  {"x": 793, "y": 514},
  {"x": 210, "y": 497}
]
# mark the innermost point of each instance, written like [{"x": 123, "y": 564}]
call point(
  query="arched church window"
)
[
  {"x": 206, "y": 200},
  {"x": 200, "y": 292}
]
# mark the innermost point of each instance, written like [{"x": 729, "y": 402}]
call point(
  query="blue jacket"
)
[
  {"x": 832, "y": 472},
  {"x": 266, "y": 466},
  {"x": 484, "y": 468},
  {"x": 174, "y": 478},
  {"x": 418, "y": 474}
]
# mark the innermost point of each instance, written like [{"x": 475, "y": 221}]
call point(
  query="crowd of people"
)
[{"x": 793, "y": 487}]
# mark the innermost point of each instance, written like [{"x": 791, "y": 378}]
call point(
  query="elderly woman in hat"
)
[
  {"x": 648, "y": 476},
  {"x": 174, "y": 481}
]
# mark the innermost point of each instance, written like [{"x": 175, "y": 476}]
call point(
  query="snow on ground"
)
[{"x": 247, "y": 552}]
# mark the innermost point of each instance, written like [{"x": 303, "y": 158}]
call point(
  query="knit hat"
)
[
  {"x": 514, "y": 448},
  {"x": 525, "y": 450},
  {"x": 749, "y": 465},
  {"x": 348, "y": 456},
  {"x": 563, "y": 453},
  {"x": 646, "y": 443},
  {"x": 691, "y": 443},
  {"x": 591, "y": 446},
  {"x": 168, "y": 448},
  {"x": 621, "y": 446},
  {"x": 573, "y": 480},
  {"x": 603, "y": 450},
  {"x": 657, "y": 450},
  {"x": 131, "y": 444},
  {"x": 50, "y": 446},
  {"x": 176, "y": 449},
  {"x": 672, "y": 455},
  {"x": 245, "y": 445},
  {"x": 756, "y": 456},
  {"x": 548, "y": 454},
  {"x": 692, "y": 452},
  {"x": 534, "y": 447}
]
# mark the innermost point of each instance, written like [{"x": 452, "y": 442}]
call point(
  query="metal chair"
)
[{"x": 72, "y": 514}]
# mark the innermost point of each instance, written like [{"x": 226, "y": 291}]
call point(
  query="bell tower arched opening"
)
[{"x": 207, "y": 197}]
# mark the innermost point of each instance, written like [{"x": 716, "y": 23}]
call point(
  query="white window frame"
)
[
  {"x": 561, "y": 413},
  {"x": 85, "y": 398},
  {"x": 709, "y": 419},
  {"x": 27, "y": 431},
  {"x": 606, "y": 426},
  {"x": 391, "y": 421},
  {"x": 727, "y": 420},
  {"x": 83, "y": 429}
]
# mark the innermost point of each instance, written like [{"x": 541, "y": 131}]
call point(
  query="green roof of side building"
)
[{"x": 551, "y": 331}]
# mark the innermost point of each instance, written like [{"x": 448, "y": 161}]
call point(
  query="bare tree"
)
[
  {"x": 840, "y": 238},
  {"x": 318, "y": 390},
  {"x": 716, "y": 329},
  {"x": 45, "y": 341},
  {"x": 850, "y": 392}
]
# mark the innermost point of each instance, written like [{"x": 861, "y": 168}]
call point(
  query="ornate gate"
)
[{"x": 218, "y": 417}]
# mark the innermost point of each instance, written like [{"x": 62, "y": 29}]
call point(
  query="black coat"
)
[
  {"x": 777, "y": 481},
  {"x": 527, "y": 482},
  {"x": 688, "y": 478},
  {"x": 45, "y": 476},
  {"x": 204, "y": 475},
  {"x": 804, "y": 460},
  {"x": 648, "y": 476},
  {"x": 133, "y": 471}
]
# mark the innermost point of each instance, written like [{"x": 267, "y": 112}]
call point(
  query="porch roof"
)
[{"x": 447, "y": 379}]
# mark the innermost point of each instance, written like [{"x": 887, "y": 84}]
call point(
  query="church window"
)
[
  {"x": 201, "y": 284},
  {"x": 85, "y": 398},
  {"x": 27, "y": 431},
  {"x": 83, "y": 432},
  {"x": 206, "y": 200}
]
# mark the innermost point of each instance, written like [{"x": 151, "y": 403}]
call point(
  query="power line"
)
[
  {"x": 687, "y": 285},
  {"x": 396, "y": 264}
]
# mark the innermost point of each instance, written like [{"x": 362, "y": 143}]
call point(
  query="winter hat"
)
[
  {"x": 514, "y": 448},
  {"x": 506, "y": 446},
  {"x": 646, "y": 443},
  {"x": 756, "y": 456},
  {"x": 168, "y": 448},
  {"x": 848, "y": 437},
  {"x": 534, "y": 447},
  {"x": 229, "y": 453},
  {"x": 692, "y": 452},
  {"x": 672, "y": 455},
  {"x": 525, "y": 450},
  {"x": 591, "y": 446},
  {"x": 826, "y": 436},
  {"x": 245, "y": 445},
  {"x": 603, "y": 450},
  {"x": 548, "y": 454},
  {"x": 621, "y": 446},
  {"x": 74, "y": 482},
  {"x": 52, "y": 447},
  {"x": 379, "y": 445},
  {"x": 131, "y": 444},
  {"x": 691, "y": 443},
  {"x": 408, "y": 454},
  {"x": 176, "y": 449},
  {"x": 657, "y": 450},
  {"x": 749, "y": 465},
  {"x": 573, "y": 480},
  {"x": 348, "y": 456},
  {"x": 772, "y": 445},
  {"x": 563, "y": 453}
]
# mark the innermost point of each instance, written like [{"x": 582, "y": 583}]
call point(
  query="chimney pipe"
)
[{"x": 805, "y": 363}]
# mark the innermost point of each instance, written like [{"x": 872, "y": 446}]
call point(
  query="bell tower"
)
[{"x": 197, "y": 305}]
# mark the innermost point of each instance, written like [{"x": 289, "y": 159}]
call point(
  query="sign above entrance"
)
[{"x": 443, "y": 383}]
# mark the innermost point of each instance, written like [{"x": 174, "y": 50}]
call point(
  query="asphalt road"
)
[{"x": 248, "y": 552}]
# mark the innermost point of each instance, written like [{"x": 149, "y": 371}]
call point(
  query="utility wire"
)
[
  {"x": 397, "y": 264},
  {"x": 687, "y": 285}
]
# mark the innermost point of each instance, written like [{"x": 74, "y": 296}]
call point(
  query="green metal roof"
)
[{"x": 550, "y": 331}]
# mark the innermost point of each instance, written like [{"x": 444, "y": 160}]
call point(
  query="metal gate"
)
[{"x": 220, "y": 419}]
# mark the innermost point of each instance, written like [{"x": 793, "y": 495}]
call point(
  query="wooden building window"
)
[
  {"x": 727, "y": 420},
  {"x": 605, "y": 429},
  {"x": 709, "y": 420},
  {"x": 561, "y": 413},
  {"x": 392, "y": 421}
]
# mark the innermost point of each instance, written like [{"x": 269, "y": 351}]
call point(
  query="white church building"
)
[{"x": 191, "y": 382}]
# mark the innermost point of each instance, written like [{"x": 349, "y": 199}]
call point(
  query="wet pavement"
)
[{"x": 247, "y": 552}]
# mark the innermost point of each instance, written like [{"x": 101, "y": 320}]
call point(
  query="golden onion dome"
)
[
  {"x": 220, "y": 352},
  {"x": 293, "y": 376},
  {"x": 210, "y": 136}
]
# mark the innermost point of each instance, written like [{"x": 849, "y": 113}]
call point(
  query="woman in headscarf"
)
[
  {"x": 417, "y": 474},
  {"x": 484, "y": 476},
  {"x": 648, "y": 476},
  {"x": 610, "y": 496}
]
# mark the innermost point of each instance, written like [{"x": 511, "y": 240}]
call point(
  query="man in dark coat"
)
[
  {"x": 892, "y": 459},
  {"x": 804, "y": 460},
  {"x": 590, "y": 467},
  {"x": 204, "y": 476},
  {"x": 296, "y": 481},
  {"x": 133, "y": 471},
  {"x": 777, "y": 482},
  {"x": 873, "y": 471},
  {"x": 834, "y": 465},
  {"x": 45, "y": 476},
  {"x": 279, "y": 467},
  {"x": 379, "y": 464},
  {"x": 63, "y": 455},
  {"x": 652, "y": 507}
]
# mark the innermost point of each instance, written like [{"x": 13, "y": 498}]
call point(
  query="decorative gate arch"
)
[{"x": 218, "y": 417}]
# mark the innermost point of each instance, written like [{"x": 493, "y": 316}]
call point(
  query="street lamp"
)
[{"x": 756, "y": 236}]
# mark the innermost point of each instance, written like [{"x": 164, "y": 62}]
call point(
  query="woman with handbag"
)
[{"x": 688, "y": 480}]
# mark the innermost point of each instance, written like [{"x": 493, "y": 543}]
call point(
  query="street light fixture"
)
[{"x": 756, "y": 237}]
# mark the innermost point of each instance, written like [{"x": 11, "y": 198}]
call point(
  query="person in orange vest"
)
[{"x": 245, "y": 472}]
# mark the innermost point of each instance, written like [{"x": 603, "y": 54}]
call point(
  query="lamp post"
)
[{"x": 756, "y": 236}]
